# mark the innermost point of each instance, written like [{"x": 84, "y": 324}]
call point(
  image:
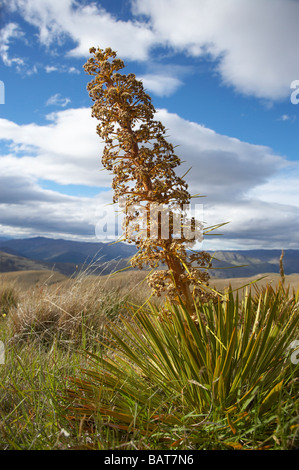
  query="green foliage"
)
[
  {"x": 160, "y": 380},
  {"x": 225, "y": 381},
  {"x": 30, "y": 384}
]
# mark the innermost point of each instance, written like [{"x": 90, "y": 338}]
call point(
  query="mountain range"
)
[{"x": 67, "y": 256}]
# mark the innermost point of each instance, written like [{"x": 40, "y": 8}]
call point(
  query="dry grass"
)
[
  {"x": 8, "y": 298},
  {"x": 41, "y": 305},
  {"x": 24, "y": 280},
  {"x": 130, "y": 281},
  {"x": 260, "y": 280},
  {"x": 73, "y": 309},
  {"x": 48, "y": 326}
]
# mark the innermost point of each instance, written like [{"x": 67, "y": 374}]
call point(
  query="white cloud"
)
[
  {"x": 51, "y": 68},
  {"x": 73, "y": 70},
  {"x": 252, "y": 44},
  {"x": 223, "y": 168},
  {"x": 42, "y": 15},
  {"x": 87, "y": 25},
  {"x": 281, "y": 188},
  {"x": 287, "y": 117},
  {"x": 159, "y": 84},
  {"x": 253, "y": 224},
  {"x": 66, "y": 151},
  {"x": 61, "y": 69},
  {"x": 7, "y": 34},
  {"x": 57, "y": 100},
  {"x": 66, "y": 217},
  {"x": 27, "y": 209},
  {"x": 253, "y": 41},
  {"x": 244, "y": 183}
]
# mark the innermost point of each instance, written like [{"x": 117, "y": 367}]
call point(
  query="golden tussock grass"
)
[{"x": 42, "y": 307}]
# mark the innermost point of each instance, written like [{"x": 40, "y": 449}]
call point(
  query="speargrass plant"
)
[{"x": 224, "y": 381}]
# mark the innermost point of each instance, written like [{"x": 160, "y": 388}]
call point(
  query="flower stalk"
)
[{"x": 143, "y": 163}]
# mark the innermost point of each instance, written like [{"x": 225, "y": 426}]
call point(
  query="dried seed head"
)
[{"x": 136, "y": 151}]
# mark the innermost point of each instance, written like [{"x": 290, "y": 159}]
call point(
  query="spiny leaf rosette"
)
[{"x": 143, "y": 164}]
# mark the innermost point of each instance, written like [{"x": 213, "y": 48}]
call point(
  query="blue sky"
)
[{"x": 219, "y": 73}]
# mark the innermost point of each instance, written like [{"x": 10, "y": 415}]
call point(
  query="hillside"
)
[
  {"x": 253, "y": 262},
  {"x": 239, "y": 264},
  {"x": 64, "y": 256},
  {"x": 24, "y": 280},
  {"x": 9, "y": 262},
  {"x": 67, "y": 256},
  {"x": 66, "y": 251}
]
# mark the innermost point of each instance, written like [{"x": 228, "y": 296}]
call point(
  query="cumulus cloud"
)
[
  {"x": 243, "y": 183},
  {"x": 57, "y": 20},
  {"x": 161, "y": 85},
  {"x": 50, "y": 68},
  {"x": 253, "y": 43},
  {"x": 27, "y": 209},
  {"x": 223, "y": 168},
  {"x": 66, "y": 151},
  {"x": 64, "y": 218},
  {"x": 21, "y": 189},
  {"x": 253, "y": 224}
]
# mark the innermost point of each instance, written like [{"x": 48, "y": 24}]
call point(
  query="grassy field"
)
[
  {"x": 129, "y": 280},
  {"x": 90, "y": 365},
  {"x": 23, "y": 280}
]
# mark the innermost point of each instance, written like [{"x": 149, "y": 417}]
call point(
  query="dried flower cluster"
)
[{"x": 143, "y": 164}]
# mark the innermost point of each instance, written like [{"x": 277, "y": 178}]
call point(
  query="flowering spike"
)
[{"x": 143, "y": 164}]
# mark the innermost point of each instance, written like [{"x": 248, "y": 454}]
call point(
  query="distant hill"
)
[
  {"x": 67, "y": 256},
  {"x": 65, "y": 251},
  {"x": 64, "y": 256},
  {"x": 9, "y": 263},
  {"x": 252, "y": 262}
]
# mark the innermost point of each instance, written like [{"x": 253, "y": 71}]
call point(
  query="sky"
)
[{"x": 223, "y": 76}]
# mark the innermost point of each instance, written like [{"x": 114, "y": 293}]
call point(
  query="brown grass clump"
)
[
  {"x": 8, "y": 298},
  {"x": 75, "y": 310}
]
